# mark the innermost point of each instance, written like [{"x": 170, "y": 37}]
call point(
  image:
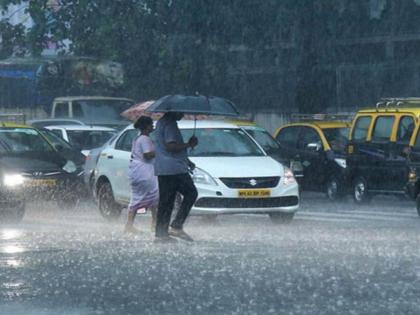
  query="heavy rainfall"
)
[{"x": 222, "y": 157}]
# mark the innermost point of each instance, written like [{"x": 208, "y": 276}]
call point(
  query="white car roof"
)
[
  {"x": 52, "y": 120},
  {"x": 201, "y": 124},
  {"x": 80, "y": 127},
  {"x": 89, "y": 98}
]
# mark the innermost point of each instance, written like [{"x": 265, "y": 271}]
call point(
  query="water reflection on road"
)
[{"x": 332, "y": 259}]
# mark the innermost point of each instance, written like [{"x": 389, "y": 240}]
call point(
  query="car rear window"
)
[
  {"x": 405, "y": 129},
  {"x": 383, "y": 128}
]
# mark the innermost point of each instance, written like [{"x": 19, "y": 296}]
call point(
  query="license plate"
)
[
  {"x": 41, "y": 183},
  {"x": 254, "y": 193}
]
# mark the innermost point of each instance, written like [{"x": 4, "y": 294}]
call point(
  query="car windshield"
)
[
  {"x": 23, "y": 140},
  {"x": 264, "y": 139},
  {"x": 108, "y": 109},
  {"x": 337, "y": 138},
  {"x": 89, "y": 139},
  {"x": 222, "y": 142},
  {"x": 55, "y": 139}
]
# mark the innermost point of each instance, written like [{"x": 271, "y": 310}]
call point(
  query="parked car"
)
[
  {"x": 31, "y": 165},
  {"x": 316, "y": 149},
  {"x": 233, "y": 174},
  {"x": 12, "y": 201},
  {"x": 413, "y": 168},
  {"x": 84, "y": 138},
  {"x": 378, "y": 146},
  {"x": 41, "y": 123}
]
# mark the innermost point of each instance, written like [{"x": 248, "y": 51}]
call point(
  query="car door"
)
[
  {"x": 358, "y": 159},
  {"x": 118, "y": 160},
  {"x": 397, "y": 162},
  {"x": 310, "y": 154},
  {"x": 379, "y": 150}
]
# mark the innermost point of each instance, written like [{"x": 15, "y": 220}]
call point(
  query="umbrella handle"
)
[{"x": 195, "y": 126}]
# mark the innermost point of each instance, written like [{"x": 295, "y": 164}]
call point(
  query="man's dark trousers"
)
[{"x": 169, "y": 185}]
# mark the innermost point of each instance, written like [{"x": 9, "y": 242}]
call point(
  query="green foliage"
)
[{"x": 183, "y": 46}]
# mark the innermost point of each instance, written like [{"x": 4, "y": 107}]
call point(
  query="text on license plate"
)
[
  {"x": 41, "y": 182},
  {"x": 254, "y": 193}
]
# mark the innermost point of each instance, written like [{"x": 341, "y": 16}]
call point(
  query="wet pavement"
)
[{"x": 332, "y": 259}]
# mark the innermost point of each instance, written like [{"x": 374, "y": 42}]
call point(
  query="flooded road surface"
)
[{"x": 332, "y": 259}]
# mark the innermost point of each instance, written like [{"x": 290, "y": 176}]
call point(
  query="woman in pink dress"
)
[{"x": 144, "y": 184}]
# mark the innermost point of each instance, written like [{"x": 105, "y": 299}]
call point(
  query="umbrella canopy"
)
[
  {"x": 140, "y": 109},
  {"x": 194, "y": 105}
]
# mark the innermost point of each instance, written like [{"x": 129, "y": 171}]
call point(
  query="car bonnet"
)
[{"x": 252, "y": 166}]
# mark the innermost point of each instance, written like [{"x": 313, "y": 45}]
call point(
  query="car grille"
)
[
  {"x": 246, "y": 202},
  {"x": 250, "y": 182}
]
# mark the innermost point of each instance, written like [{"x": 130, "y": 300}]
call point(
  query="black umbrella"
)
[{"x": 194, "y": 105}]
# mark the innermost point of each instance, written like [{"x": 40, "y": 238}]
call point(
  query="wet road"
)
[{"x": 332, "y": 259}]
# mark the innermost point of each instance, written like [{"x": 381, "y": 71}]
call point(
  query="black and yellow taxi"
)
[
  {"x": 32, "y": 168},
  {"x": 315, "y": 151},
  {"x": 413, "y": 168},
  {"x": 378, "y": 147}
]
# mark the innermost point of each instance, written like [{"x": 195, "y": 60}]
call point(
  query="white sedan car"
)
[
  {"x": 233, "y": 174},
  {"x": 83, "y": 137}
]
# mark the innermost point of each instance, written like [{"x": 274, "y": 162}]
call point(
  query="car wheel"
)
[
  {"x": 108, "y": 207},
  {"x": 281, "y": 218},
  {"x": 360, "y": 192},
  {"x": 418, "y": 204},
  {"x": 334, "y": 189}
]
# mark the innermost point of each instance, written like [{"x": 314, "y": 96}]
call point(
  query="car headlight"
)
[
  {"x": 13, "y": 180},
  {"x": 201, "y": 177},
  {"x": 341, "y": 162},
  {"x": 412, "y": 175},
  {"x": 288, "y": 177},
  {"x": 70, "y": 167}
]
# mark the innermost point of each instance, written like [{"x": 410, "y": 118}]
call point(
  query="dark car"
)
[
  {"x": 378, "y": 146},
  {"x": 316, "y": 149},
  {"x": 413, "y": 168},
  {"x": 12, "y": 202},
  {"x": 31, "y": 164}
]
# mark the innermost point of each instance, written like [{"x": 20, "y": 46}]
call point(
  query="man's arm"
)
[{"x": 178, "y": 147}]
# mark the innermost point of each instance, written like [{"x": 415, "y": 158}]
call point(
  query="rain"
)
[{"x": 300, "y": 131}]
